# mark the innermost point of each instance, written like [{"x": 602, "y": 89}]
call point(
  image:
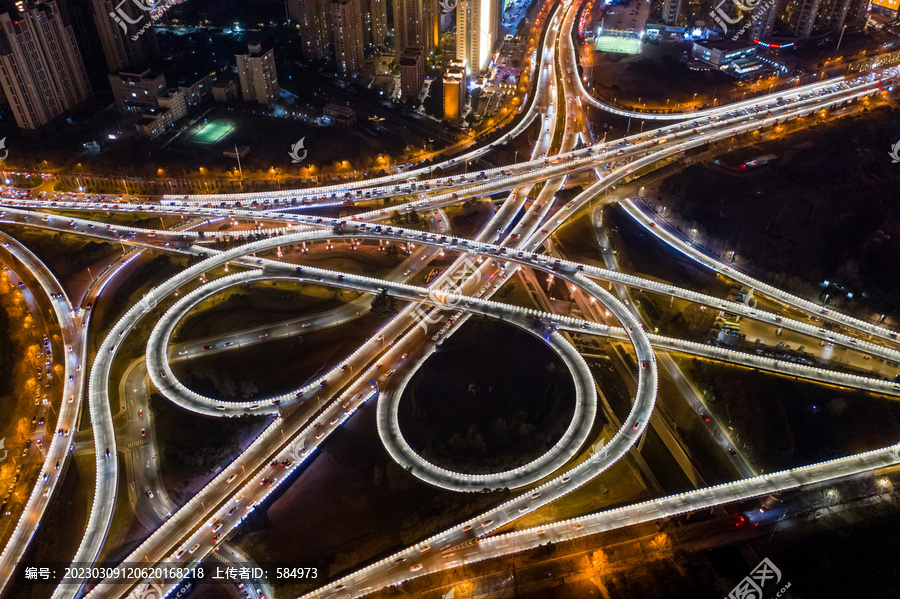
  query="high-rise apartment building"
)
[
  {"x": 116, "y": 34},
  {"x": 416, "y": 23},
  {"x": 477, "y": 30},
  {"x": 454, "y": 91},
  {"x": 412, "y": 72},
  {"x": 670, "y": 11},
  {"x": 41, "y": 70},
  {"x": 764, "y": 18},
  {"x": 801, "y": 16},
  {"x": 375, "y": 29},
  {"x": 257, "y": 74},
  {"x": 346, "y": 23},
  {"x": 314, "y": 20}
]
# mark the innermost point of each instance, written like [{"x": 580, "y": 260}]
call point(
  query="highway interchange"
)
[{"x": 513, "y": 239}]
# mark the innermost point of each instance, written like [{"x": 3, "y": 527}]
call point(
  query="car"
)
[
  {"x": 732, "y": 452},
  {"x": 486, "y": 523},
  {"x": 271, "y": 482},
  {"x": 231, "y": 478},
  {"x": 524, "y": 509},
  {"x": 467, "y": 528},
  {"x": 535, "y": 495},
  {"x": 149, "y": 493},
  {"x": 57, "y": 465},
  {"x": 205, "y": 347},
  {"x": 232, "y": 510},
  {"x": 263, "y": 336},
  {"x": 416, "y": 568},
  {"x": 143, "y": 432},
  {"x": 564, "y": 480},
  {"x": 215, "y": 538},
  {"x": 140, "y": 413},
  {"x": 264, "y": 481},
  {"x": 399, "y": 561},
  {"x": 179, "y": 553},
  {"x": 183, "y": 352},
  {"x": 238, "y": 498},
  {"x": 195, "y": 547},
  {"x": 228, "y": 343}
]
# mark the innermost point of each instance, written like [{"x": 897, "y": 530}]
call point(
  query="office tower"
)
[
  {"x": 40, "y": 65},
  {"x": 412, "y": 72},
  {"x": 346, "y": 22},
  {"x": 454, "y": 91},
  {"x": 256, "y": 71},
  {"x": 670, "y": 11},
  {"x": 116, "y": 36},
  {"x": 477, "y": 29},
  {"x": 375, "y": 29},
  {"x": 415, "y": 24},
  {"x": 314, "y": 19}
]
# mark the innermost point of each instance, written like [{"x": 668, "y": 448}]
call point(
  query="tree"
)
[
  {"x": 699, "y": 318},
  {"x": 395, "y": 216},
  {"x": 384, "y": 304},
  {"x": 413, "y": 217}
]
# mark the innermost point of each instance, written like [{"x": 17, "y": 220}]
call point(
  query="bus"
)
[
  {"x": 735, "y": 334},
  {"x": 730, "y": 324}
]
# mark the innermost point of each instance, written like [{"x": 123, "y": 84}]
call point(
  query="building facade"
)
[
  {"x": 41, "y": 70},
  {"x": 455, "y": 83},
  {"x": 412, "y": 72},
  {"x": 346, "y": 22},
  {"x": 313, "y": 18},
  {"x": 477, "y": 29},
  {"x": 119, "y": 49},
  {"x": 257, "y": 74}
]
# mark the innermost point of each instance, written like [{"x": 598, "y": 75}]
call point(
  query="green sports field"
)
[{"x": 212, "y": 132}]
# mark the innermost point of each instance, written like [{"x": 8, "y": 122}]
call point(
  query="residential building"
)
[
  {"x": 375, "y": 29},
  {"x": 313, "y": 17},
  {"x": 455, "y": 91},
  {"x": 670, "y": 11},
  {"x": 416, "y": 23},
  {"x": 257, "y": 74},
  {"x": 172, "y": 107},
  {"x": 41, "y": 70},
  {"x": 346, "y": 22},
  {"x": 412, "y": 72},
  {"x": 477, "y": 30},
  {"x": 137, "y": 91},
  {"x": 117, "y": 33}
]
